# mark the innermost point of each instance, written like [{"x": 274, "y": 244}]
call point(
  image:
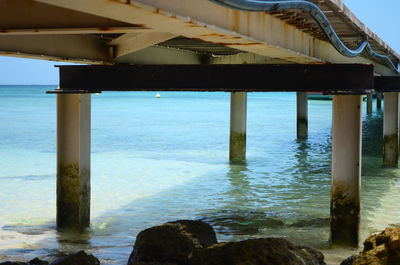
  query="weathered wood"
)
[
  {"x": 254, "y": 32},
  {"x": 69, "y": 31},
  {"x": 387, "y": 83},
  {"x": 53, "y": 46},
  {"x": 328, "y": 78},
  {"x": 130, "y": 43}
]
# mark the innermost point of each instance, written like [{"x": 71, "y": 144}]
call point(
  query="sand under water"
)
[{"x": 161, "y": 159}]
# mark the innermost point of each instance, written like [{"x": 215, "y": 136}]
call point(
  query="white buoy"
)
[{"x": 158, "y": 95}]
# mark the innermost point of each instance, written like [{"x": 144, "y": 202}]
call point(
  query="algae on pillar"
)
[
  {"x": 378, "y": 100},
  {"x": 73, "y": 160},
  {"x": 237, "y": 141},
  {"x": 346, "y": 169},
  {"x": 369, "y": 103},
  {"x": 302, "y": 115},
  {"x": 391, "y": 130}
]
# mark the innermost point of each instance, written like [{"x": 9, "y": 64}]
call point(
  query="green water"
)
[{"x": 157, "y": 160}]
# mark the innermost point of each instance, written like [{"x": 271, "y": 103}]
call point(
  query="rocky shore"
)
[
  {"x": 187, "y": 242},
  {"x": 379, "y": 249},
  {"x": 194, "y": 243},
  {"x": 79, "y": 258}
]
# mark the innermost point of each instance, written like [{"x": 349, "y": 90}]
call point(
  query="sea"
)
[{"x": 156, "y": 160}]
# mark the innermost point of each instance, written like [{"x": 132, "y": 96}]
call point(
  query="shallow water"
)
[{"x": 157, "y": 160}]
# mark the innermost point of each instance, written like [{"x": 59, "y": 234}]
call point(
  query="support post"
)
[
  {"x": 346, "y": 169},
  {"x": 378, "y": 100},
  {"x": 237, "y": 141},
  {"x": 391, "y": 130},
  {"x": 369, "y": 103},
  {"x": 302, "y": 115},
  {"x": 73, "y": 160}
]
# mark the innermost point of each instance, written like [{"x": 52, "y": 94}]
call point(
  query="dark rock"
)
[
  {"x": 79, "y": 258},
  {"x": 199, "y": 231},
  {"x": 349, "y": 260},
  {"x": 13, "y": 263},
  {"x": 269, "y": 251},
  {"x": 154, "y": 263},
  {"x": 310, "y": 255},
  {"x": 172, "y": 242},
  {"x": 35, "y": 261}
]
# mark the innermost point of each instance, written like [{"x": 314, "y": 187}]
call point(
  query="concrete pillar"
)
[
  {"x": 391, "y": 130},
  {"x": 346, "y": 169},
  {"x": 378, "y": 100},
  {"x": 302, "y": 115},
  {"x": 369, "y": 103},
  {"x": 237, "y": 141},
  {"x": 73, "y": 160}
]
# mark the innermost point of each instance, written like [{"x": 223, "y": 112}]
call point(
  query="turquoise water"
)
[{"x": 157, "y": 160}]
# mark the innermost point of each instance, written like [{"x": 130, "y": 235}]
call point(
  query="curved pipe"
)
[{"x": 317, "y": 14}]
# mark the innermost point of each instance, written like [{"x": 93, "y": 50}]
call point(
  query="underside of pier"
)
[
  {"x": 196, "y": 45},
  {"x": 179, "y": 32}
]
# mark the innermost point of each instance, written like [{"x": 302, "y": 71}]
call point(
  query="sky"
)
[{"x": 381, "y": 16}]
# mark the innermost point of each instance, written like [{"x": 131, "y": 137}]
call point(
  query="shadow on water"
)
[
  {"x": 312, "y": 158},
  {"x": 240, "y": 189},
  {"x": 380, "y": 198},
  {"x": 48, "y": 242},
  {"x": 244, "y": 203},
  {"x": 238, "y": 215},
  {"x": 67, "y": 237},
  {"x": 253, "y": 210},
  {"x": 372, "y": 134}
]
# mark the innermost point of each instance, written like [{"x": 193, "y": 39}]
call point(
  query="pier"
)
[{"x": 197, "y": 45}]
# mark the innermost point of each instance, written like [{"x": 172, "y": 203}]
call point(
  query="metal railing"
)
[{"x": 317, "y": 14}]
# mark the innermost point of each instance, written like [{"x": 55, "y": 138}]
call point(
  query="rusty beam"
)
[
  {"x": 67, "y": 31},
  {"x": 387, "y": 83},
  {"x": 328, "y": 78}
]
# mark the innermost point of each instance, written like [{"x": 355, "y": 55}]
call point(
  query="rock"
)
[
  {"x": 35, "y": 261},
  {"x": 154, "y": 263},
  {"x": 269, "y": 251},
  {"x": 375, "y": 240},
  {"x": 199, "y": 231},
  {"x": 13, "y": 263},
  {"x": 194, "y": 243},
  {"x": 349, "y": 260},
  {"x": 376, "y": 256},
  {"x": 310, "y": 255},
  {"x": 79, "y": 258},
  {"x": 379, "y": 249},
  {"x": 171, "y": 242},
  {"x": 394, "y": 239}
]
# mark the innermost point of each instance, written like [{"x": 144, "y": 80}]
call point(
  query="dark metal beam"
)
[
  {"x": 387, "y": 83},
  {"x": 327, "y": 78}
]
